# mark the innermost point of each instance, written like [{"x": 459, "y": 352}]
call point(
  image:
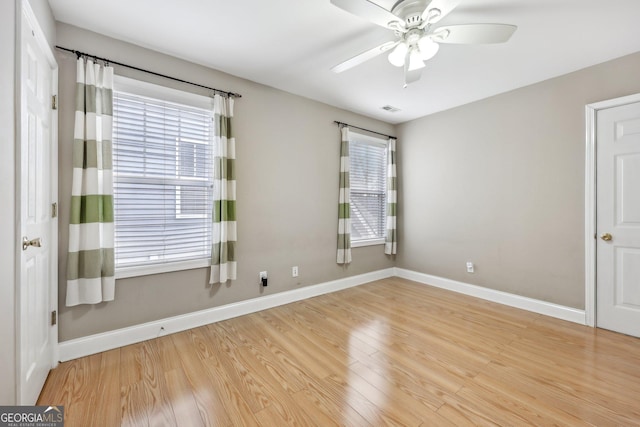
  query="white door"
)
[
  {"x": 618, "y": 219},
  {"x": 37, "y": 293}
]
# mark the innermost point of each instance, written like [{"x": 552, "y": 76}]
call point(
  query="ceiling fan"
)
[{"x": 417, "y": 39}]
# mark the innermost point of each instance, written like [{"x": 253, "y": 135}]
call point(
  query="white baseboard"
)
[
  {"x": 73, "y": 349},
  {"x": 97, "y": 343},
  {"x": 529, "y": 304}
]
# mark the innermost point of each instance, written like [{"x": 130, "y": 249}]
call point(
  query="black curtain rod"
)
[
  {"x": 97, "y": 58},
  {"x": 366, "y": 130}
]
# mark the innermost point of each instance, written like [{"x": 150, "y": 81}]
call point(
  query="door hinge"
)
[
  {"x": 54, "y": 317},
  {"x": 54, "y": 210},
  {"x": 54, "y": 102}
]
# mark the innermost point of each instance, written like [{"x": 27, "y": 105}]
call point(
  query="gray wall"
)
[
  {"x": 288, "y": 155},
  {"x": 500, "y": 182},
  {"x": 47, "y": 23}
]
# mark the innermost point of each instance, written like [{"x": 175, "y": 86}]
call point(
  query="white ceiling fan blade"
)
[
  {"x": 473, "y": 33},
  {"x": 368, "y": 10},
  {"x": 364, "y": 56},
  {"x": 438, "y": 9}
]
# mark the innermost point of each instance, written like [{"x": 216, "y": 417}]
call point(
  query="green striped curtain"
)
[
  {"x": 223, "y": 250},
  {"x": 392, "y": 199},
  {"x": 90, "y": 263},
  {"x": 344, "y": 207}
]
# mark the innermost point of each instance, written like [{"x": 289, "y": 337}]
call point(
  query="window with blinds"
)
[
  {"x": 368, "y": 172},
  {"x": 163, "y": 178}
]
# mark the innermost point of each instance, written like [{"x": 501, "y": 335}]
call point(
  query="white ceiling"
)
[{"x": 292, "y": 44}]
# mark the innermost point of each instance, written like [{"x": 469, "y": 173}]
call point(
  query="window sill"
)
[
  {"x": 145, "y": 270},
  {"x": 368, "y": 242}
]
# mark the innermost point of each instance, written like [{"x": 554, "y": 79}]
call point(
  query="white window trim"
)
[
  {"x": 138, "y": 87},
  {"x": 368, "y": 242},
  {"x": 373, "y": 140},
  {"x": 145, "y": 270},
  {"x": 150, "y": 90}
]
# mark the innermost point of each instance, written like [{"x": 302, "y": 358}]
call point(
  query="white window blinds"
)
[
  {"x": 163, "y": 177},
  {"x": 368, "y": 160}
]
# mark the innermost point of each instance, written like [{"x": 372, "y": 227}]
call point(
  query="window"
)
[
  {"x": 163, "y": 178},
  {"x": 193, "y": 164},
  {"x": 368, "y": 178}
]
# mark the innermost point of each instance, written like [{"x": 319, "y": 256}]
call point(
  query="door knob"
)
[
  {"x": 606, "y": 237},
  {"x": 33, "y": 242}
]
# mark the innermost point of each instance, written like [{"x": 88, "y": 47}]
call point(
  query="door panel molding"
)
[
  {"x": 591, "y": 111},
  {"x": 31, "y": 38}
]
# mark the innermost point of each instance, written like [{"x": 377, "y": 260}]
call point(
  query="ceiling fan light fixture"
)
[
  {"x": 428, "y": 48},
  {"x": 416, "y": 38},
  {"x": 397, "y": 55},
  {"x": 415, "y": 60}
]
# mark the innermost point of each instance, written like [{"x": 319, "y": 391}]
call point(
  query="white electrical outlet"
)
[
  {"x": 294, "y": 271},
  {"x": 263, "y": 278},
  {"x": 470, "y": 267}
]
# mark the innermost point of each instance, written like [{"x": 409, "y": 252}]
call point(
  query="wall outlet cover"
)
[{"x": 470, "y": 267}]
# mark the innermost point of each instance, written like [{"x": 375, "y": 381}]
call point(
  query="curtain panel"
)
[
  {"x": 344, "y": 207},
  {"x": 90, "y": 263},
  {"x": 392, "y": 199},
  {"x": 223, "y": 250}
]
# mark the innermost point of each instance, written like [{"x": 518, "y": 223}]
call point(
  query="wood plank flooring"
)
[{"x": 392, "y": 352}]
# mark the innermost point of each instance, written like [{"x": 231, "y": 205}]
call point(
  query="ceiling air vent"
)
[{"x": 390, "y": 109}]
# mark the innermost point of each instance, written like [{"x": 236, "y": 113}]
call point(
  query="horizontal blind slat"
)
[
  {"x": 163, "y": 180},
  {"x": 368, "y": 187}
]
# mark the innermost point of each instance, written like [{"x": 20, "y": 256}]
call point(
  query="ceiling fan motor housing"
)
[
  {"x": 410, "y": 11},
  {"x": 413, "y": 36},
  {"x": 413, "y": 20}
]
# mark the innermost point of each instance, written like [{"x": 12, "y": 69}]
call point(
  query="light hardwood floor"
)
[{"x": 392, "y": 352}]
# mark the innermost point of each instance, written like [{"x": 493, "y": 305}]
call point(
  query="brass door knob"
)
[
  {"x": 606, "y": 237},
  {"x": 36, "y": 243}
]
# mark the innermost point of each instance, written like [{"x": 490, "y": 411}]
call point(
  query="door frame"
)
[
  {"x": 24, "y": 11},
  {"x": 590, "y": 225}
]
